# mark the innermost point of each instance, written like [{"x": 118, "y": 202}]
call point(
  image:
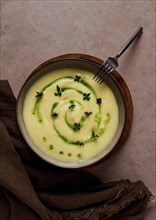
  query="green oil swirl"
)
[{"x": 95, "y": 131}]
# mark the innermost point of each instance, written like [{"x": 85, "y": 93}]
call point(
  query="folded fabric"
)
[{"x": 32, "y": 189}]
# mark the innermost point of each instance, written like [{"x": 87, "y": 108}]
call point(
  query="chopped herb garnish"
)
[
  {"x": 99, "y": 101},
  {"x": 86, "y": 96},
  {"x": 77, "y": 78},
  {"x": 69, "y": 154},
  {"x": 39, "y": 95},
  {"x": 59, "y": 91},
  {"x": 79, "y": 143},
  {"x": 51, "y": 147},
  {"x": 79, "y": 155},
  {"x": 44, "y": 138},
  {"x": 88, "y": 113},
  {"x": 72, "y": 106},
  {"x": 76, "y": 126},
  {"x": 54, "y": 115},
  {"x": 61, "y": 152}
]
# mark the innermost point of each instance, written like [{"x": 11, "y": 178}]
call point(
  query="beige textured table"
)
[{"x": 34, "y": 31}]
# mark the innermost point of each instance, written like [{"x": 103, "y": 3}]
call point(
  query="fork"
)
[{"x": 112, "y": 62}]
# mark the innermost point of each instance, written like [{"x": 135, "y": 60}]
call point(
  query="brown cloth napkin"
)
[{"x": 31, "y": 189}]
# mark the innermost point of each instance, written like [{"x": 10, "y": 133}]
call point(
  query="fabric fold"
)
[{"x": 30, "y": 188}]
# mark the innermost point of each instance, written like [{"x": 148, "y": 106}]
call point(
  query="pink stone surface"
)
[{"x": 34, "y": 31}]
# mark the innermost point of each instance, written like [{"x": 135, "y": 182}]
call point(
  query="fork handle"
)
[{"x": 128, "y": 43}]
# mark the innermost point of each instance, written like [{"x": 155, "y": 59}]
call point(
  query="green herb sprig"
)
[
  {"x": 58, "y": 91},
  {"x": 88, "y": 113},
  {"x": 79, "y": 143},
  {"x": 76, "y": 126},
  {"x": 77, "y": 78},
  {"x": 99, "y": 101},
  {"x": 54, "y": 115},
  {"x": 39, "y": 95},
  {"x": 86, "y": 96}
]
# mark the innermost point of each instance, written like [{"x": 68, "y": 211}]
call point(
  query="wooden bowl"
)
[{"x": 115, "y": 81}]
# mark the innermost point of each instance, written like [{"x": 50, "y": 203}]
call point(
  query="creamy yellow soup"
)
[{"x": 69, "y": 116}]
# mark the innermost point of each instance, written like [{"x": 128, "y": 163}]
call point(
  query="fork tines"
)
[{"x": 103, "y": 72}]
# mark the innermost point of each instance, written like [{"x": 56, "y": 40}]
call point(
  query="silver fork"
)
[{"x": 112, "y": 62}]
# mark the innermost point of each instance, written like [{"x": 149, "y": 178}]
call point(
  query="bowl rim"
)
[{"x": 122, "y": 86}]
